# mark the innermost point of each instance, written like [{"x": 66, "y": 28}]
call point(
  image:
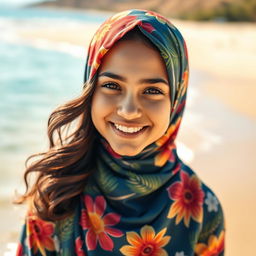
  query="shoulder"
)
[
  {"x": 212, "y": 232},
  {"x": 213, "y": 220},
  {"x": 212, "y": 208}
]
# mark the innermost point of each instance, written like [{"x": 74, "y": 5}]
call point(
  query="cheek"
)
[
  {"x": 101, "y": 107},
  {"x": 159, "y": 113}
]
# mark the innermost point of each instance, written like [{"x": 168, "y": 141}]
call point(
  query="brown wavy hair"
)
[{"x": 62, "y": 171}]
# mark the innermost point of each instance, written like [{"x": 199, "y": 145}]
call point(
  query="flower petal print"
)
[
  {"x": 39, "y": 234},
  {"x": 214, "y": 247},
  {"x": 102, "y": 31},
  {"x": 148, "y": 243},
  {"x": 79, "y": 247},
  {"x": 109, "y": 32},
  {"x": 165, "y": 145},
  {"x": 103, "y": 39},
  {"x": 188, "y": 199},
  {"x": 19, "y": 251},
  {"x": 99, "y": 226},
  {"x": 212, "y": 202},
  {"x": 184, "y": 83},
  {"x": 96, "y": 57}
]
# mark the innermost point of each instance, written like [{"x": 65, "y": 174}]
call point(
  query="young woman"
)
[{"x": 114, "y": 184}]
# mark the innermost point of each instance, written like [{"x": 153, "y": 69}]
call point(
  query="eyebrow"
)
[{"x": 144, "y": 80}]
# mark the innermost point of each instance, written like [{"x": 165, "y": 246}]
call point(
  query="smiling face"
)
[{"x": 131, "y": 103}]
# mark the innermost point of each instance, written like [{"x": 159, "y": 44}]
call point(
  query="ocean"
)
[{"x": 35, "y": 77}]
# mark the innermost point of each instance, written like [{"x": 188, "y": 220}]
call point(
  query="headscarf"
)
[
  {"x": 137, "y": 176},
  {"x": 151, "y": 203}
]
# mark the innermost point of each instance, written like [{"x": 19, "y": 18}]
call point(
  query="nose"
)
[{"x": 129, "y": 108}]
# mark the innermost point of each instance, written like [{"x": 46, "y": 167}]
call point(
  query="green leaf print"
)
[
  {"x": 193, "y": 237},
  {"x": 210, "y": 227},
  {"x": 90, "y": 188},
  {"x": 133, "y": 165},
  {"x": 65, "y": 228},
  {"x": 107, "y": 182},
  {"x": 143, "y": 184},
  {"x": 65, "y": 252},
  {"x": 171, "y": 58}
]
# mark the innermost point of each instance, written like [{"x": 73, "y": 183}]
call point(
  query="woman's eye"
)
[
  {"x": 112, "y": 86},
  {"x": 153, "y": 91}
]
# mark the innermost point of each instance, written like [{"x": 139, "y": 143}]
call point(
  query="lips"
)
[{"x": 128, "y": 131}]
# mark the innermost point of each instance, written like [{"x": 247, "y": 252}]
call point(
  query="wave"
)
[{"x": 10, "y": 28}]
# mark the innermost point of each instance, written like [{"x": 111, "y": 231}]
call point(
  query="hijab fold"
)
[{"x": 152, "y": 203}]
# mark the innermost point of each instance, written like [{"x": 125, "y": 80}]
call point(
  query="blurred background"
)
[{"x": 43, "y": 48}]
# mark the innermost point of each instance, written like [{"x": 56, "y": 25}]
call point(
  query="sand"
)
[{"x": 218, "y": 133}]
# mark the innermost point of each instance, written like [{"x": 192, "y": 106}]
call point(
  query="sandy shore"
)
[{"x": 221, "y": 103}]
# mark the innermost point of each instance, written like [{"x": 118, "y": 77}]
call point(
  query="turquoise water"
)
[
  {"x": 37, "y": 13},
  {"x": 33, "y": 81}
]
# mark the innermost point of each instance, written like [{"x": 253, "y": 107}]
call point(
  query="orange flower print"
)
[
  {"x": 214, "y": 247},
  {"x": 99, "y": 226},
  {"x": 105, "y": 37},
  {"x": 100, "y": 34},
  {"x": 165, "y": 145},
  {"x": 39, "y": 234},
  {"x": 105, "y": 27},
  {"x": 94, "y": 62},
  {"x": 184, "y": 83},
  {"x": 120, "y": 15},
  {"x": 164, "y": 155},
  {"x": 188, "y": 199},
  {"x": 148, "y": 243}
]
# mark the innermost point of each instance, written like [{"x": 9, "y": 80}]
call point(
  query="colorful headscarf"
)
[{"x": 149, "y": 204}]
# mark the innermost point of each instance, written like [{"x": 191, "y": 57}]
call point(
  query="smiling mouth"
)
[{"x": 128, "y": 131}]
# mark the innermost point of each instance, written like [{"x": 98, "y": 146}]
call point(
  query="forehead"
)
[{"x": 133, "y": 56}]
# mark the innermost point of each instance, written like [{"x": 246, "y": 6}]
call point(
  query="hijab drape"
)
[{"x": 149, "y": 204}]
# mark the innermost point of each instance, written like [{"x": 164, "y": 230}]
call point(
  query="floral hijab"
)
[{"x": 151, "y": 204}]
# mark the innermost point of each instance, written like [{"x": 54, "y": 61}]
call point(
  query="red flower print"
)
[
  {"x": 79, "y": 247},
  {"x": 147, "y": 26},
  {"x": 148, "y": 243},
  {"x": 109, "y": 32},
  {"x": 99, "y": 226},
  {"x": 95, "y": 59},
  {"x": 19, "y": 251},
  {"x": 39, "y": 234},
  {"x": 214, "y": 247},
  {"x": 188, "y": 199}
]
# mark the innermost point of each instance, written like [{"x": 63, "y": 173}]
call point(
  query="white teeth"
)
[{"x": 127, "y": 129}]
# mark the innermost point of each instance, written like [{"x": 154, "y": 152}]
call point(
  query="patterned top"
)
[{"x": 148, "y": 205}]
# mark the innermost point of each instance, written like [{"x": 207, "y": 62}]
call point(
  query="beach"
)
[{"x": 218, "y": 132}]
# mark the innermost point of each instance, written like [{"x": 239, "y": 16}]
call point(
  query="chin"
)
[{"x": 127, "y": 151}]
